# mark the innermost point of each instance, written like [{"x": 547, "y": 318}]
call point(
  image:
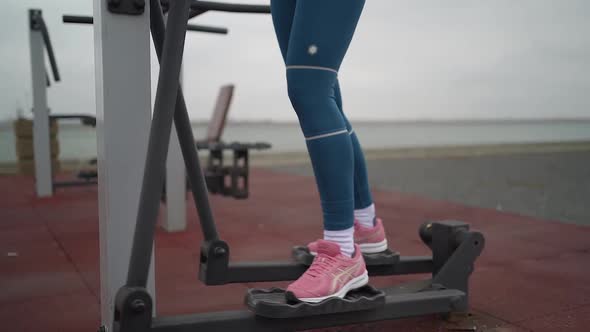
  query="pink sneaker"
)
[
  {"x": 330, "y": 275},
  {"x": 371, "y": 240}
]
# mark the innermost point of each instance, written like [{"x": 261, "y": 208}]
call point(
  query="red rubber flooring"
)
[{"x": 534, "y": 275}]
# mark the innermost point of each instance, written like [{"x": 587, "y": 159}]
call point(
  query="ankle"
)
[
  {"x": 344, "y": 238},
  {"x": 366, "y": 216}
]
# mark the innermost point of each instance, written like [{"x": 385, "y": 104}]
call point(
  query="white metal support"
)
[
  {"x": 41, "y": 135},
  {"x": 123, "y": 109},
  {"x": 175, "y": 218}
]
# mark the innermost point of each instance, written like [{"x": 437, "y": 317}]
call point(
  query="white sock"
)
[
  {"x": 366, "y": 216},
  {"x": 344, "y": 238}
]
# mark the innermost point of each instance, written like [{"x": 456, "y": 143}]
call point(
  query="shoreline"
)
[
  {"x": 301, "y": 157},
  {"x": 7, "y": 123}
]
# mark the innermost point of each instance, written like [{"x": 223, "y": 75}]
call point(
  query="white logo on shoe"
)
[{"x": 343, "y": 276}]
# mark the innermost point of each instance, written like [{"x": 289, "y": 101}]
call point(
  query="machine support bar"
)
[
  {"x": 185, "y": 136},
  {"x": 190, "y": 27},
  {"x": 161, "y": 126},
  {"x": 399, "y": 306},
  {"x": 280, "y": 271}
]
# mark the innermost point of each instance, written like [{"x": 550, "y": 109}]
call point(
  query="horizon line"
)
[{"x": 8, "y": 121}]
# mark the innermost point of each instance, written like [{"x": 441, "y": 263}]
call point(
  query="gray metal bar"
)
[
  {"x": 190, "y": 27},
  {"x": 61, "y": 184},
  {"x": 459, "y": 266},
  {"x": 77, "y": 19},
  {"x": 195, "y": 12},
  {"x": 406, "y": 265},
  {"x": 155, "y": 165},
  {"x": 175, "y": 187},
  {"x": 85, "y": 119},
  {"x": 398, "y": 306},
  {"x": 203, "y": 28},
  {"x": 229, "y": 7},
  {"x": 281, "y": 271},
  {"x": 185, "y": 135},
  {"x": 49, "y": 47},
  {"x": 263, "y": 271}
]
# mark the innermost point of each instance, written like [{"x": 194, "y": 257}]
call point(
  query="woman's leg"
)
[
  {"x": 283, "y": 12},
  {"x": 362, "y": 191},
  {"x": 369, "y": 232},
  {"x": 320, "y": 35}
]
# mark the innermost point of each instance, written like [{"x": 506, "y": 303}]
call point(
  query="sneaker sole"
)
[
  {"x": 368, "y": 248},
  {"x": 373, "y": 248},
  {"x": 355, "y": 283}
]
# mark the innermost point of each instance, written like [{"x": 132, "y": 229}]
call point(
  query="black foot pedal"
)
[
  {"x": 277, "y": 303},
  {"x": 302, "y": 255}
]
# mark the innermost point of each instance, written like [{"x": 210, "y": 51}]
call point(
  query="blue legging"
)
[{"x": 314, "y": 36}]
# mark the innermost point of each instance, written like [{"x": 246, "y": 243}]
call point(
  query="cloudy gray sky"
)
[{"x": 427, "y": 59}]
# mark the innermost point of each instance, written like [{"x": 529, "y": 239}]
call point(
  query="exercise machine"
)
[
  {"x": 222, "y": 177},
  {"x": 225, "y": 178},
  {"x": 454, "y": 246},
  {"x": 42, "y": 117},
  {"x": 91, "y": 175}
]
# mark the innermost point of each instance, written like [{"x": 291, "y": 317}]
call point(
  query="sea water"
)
[{"x": 78, "y": 142}]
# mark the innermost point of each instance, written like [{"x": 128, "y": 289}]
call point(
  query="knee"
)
[
  {"x": 312, "y": 96},
  {"x": 308, "y": 86}
]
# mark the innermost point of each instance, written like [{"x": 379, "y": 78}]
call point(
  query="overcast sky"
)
[{"x": 428, "y": 59}]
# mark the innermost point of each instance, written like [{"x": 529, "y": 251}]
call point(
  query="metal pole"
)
[
  {"x": 186, "y": 138},
  {"x": 123, "y": 111},
  {"x": 78, "y": 19},
  {"x": 155, "y": 164},
  {"x": 175, "y": 218},
  {"x": 189, "y": 27},
  {"x": 49, "y": 47},
  {"x": 201, "y": 6},
  {"x": 41, "y": 131}
]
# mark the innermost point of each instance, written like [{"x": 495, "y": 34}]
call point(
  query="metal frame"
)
[
  {"x": 39, "y": 41},
  {"x": 123, "y": 114},
  {"x": 175, "y": 217},
  {"x": 81, "y": 19},
  {"x": 455, "y": 248},
  {"x": 229, "y": 179}
]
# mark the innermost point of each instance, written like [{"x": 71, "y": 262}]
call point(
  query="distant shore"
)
[
  {"x": 295, "y": 158},
  {"x": 6, "y": 123}
]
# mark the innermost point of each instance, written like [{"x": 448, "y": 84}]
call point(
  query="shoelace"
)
[{"x": 321, "y": 264}]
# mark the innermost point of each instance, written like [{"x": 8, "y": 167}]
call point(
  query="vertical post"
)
[
  {"x": 123, "y": 109},
  {"x": 175, "y": 218},
  {"x": 41, "y": 134}
]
